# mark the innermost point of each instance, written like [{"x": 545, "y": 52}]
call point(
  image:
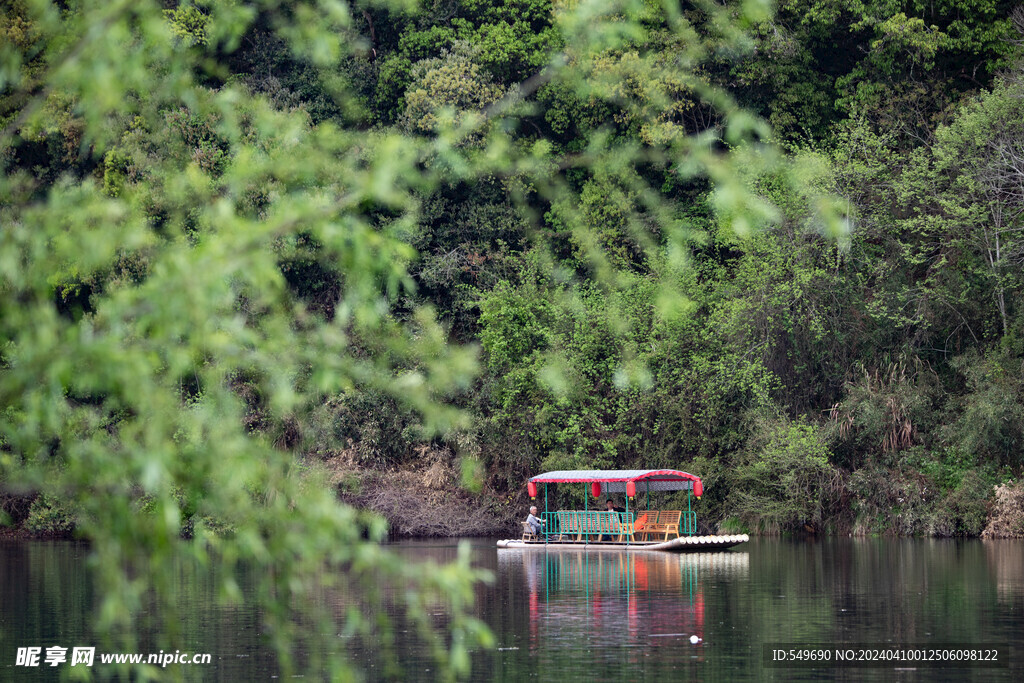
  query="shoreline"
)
[
  {"x": 19, "y": 533},
  {"x": 428, "y": 504}
]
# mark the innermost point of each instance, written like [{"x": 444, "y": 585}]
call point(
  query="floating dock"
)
[{"x": 683, "y": 544}]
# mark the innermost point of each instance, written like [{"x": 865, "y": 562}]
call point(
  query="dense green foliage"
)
[{"x": 244, "y": 242}]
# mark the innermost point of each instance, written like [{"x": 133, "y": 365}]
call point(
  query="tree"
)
[
  {"x": 898, "y": 64},
  {"x": 145, "y": 297},
  {"x": 981, "y": 157},
  {"x": 145, "y": 305}
]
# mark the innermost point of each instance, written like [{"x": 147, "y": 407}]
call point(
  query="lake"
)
[{"x": 613, "y": 616}]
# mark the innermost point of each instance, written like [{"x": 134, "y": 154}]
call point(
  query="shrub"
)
[
  {"x": 991, "y": 425},
  {"x": 14, "y": 507},
  {"x": 48, "y": 515},
  {"x": 963, "y": 510},
  {"x": 1007, "y": 518},
  {"x": 784, "y": 478}
]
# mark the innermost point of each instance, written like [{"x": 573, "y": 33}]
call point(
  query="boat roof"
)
[{"x": 614, "y": 481}]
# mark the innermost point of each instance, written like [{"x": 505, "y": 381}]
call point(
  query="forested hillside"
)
[{"x": 778, "y": 247}]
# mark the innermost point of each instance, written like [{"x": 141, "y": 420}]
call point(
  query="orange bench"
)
[
  {"x": 638, "y": 526},
  {"x": 667, "y": 525}
]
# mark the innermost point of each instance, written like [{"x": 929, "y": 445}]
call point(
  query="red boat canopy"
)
[{"x": 614, "y": 481}]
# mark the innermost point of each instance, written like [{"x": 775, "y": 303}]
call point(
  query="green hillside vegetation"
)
[{"x": 259, "y": 260}]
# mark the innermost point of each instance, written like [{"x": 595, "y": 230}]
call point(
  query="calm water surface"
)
[{"x": 611, "y": 616}]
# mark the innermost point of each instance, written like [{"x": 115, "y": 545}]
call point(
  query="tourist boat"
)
[{"x": 640, "y": 528}]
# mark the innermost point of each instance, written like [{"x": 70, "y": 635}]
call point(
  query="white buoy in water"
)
[{"x": 694, "y": 639}]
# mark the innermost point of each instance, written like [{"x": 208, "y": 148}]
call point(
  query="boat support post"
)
[
  {"x": 627, "y": 518},
  {"x": 547, "y": 517},
  {"x": 690, "y": 527}
]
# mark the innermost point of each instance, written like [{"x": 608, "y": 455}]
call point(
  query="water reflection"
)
[
  {"x": 614, "y": 600},
  {"x": 571, "y": 615},
  {"x": 1006, "y": 563}
]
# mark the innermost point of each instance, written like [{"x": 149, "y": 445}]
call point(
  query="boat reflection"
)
[{"x": 609, "y": 599}]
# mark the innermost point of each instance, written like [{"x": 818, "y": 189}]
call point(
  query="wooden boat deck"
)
[{"x": 683, "y": 544}]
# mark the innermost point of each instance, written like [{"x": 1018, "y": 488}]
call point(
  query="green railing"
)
[
  {"x": 566, "y": 525},
  {"x": 688, "y": 523},
  {"x": 688, "y": 520},
  {"x": 592, "y": 525}
]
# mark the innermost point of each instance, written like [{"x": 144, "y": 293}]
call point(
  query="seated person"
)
[
  {"x": 535, "y": 522},
  {"x": 610, "y": 507}
]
